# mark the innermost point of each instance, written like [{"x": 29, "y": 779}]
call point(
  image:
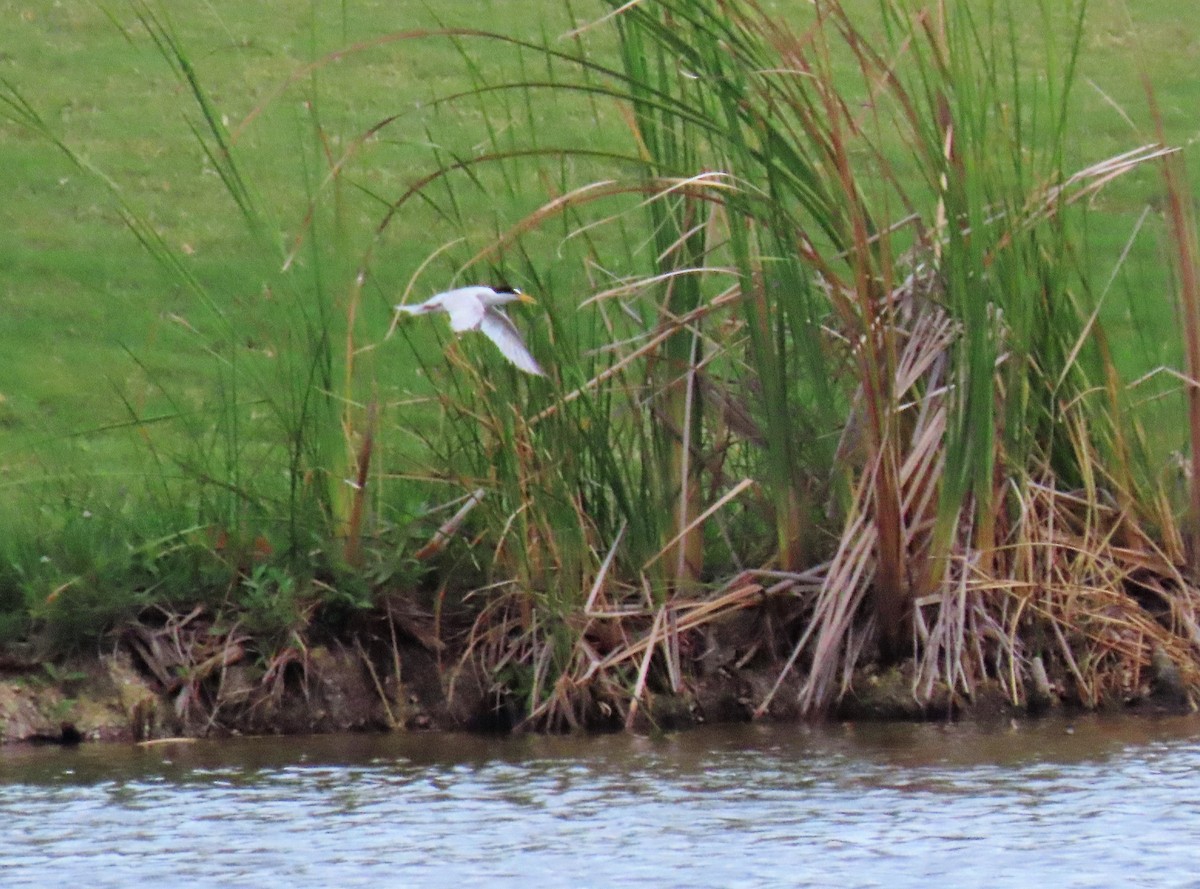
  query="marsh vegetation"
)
[{"x": 866, "y": 343}]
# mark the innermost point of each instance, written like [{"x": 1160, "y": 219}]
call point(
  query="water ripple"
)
[{"x": 848, "y": 806}]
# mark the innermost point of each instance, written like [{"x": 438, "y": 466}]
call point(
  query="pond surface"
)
[{"x": 1094, "y": 802}]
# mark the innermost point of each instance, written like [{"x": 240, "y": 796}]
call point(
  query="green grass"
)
[
  {"x": 189, "y": 371},
  {"x": 204, "y": 385},
  {"x": 78, "y": 293}
]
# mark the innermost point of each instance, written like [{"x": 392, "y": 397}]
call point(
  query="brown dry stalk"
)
[
  {"x": 450, "y": 527},
  {"x": 353, "y": 547},
  {"x": 639, "y": 687},
  {"x": 1183, "y": 235}
]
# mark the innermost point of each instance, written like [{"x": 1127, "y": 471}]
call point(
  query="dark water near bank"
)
[{"x": 1090, "y": 803}]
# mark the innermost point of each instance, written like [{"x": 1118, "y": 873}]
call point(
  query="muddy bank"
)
[
  {"x": 112, "y": 697},
  {"x": 152, "y": 685}
]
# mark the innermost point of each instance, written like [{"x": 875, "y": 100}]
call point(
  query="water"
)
[{"x": 1091, "y": 803}]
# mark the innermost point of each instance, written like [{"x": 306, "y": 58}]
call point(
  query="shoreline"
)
[{"x": 337, "y": 687}]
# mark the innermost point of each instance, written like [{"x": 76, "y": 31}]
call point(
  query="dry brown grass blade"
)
[
  {"x": 589, "y": 606},
  {"x": 639, "y": 686},
  {"x": 594, "y": 679},
  {"x": 352, "y": 551},
  {"x": 1182, "y": 219},
  {"x": 696, "y": 187},
  {"x": 699, "y": 520},
  {"x": 365, "y": 660},
  {"x": 665, "y": 332},
  {"x": 691, "y": 614},
  {"x": 846, "y": 587},
  {"x": 450, "y": 527},
  {"x": 1069, "y": 577}
]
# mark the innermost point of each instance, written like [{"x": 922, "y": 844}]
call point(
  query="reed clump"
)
[{"x": 855, "y": 322}]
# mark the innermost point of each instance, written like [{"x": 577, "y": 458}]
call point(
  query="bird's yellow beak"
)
[{"x": 525, "y": 298}]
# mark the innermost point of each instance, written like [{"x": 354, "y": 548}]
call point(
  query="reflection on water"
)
[{"x": 1092, "y": 803}]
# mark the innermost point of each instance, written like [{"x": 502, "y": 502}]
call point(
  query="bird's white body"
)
[{"x": 478, "y": 308}]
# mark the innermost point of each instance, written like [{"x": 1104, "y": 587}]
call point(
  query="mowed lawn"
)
[{"x": 94, "y": 331}]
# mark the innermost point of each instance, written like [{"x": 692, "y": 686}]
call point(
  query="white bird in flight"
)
[{"x": 478, "y": 308}]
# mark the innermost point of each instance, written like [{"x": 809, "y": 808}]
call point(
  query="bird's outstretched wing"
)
[
  {"x": 466, "y": 312},
  {"x": 497, "y": 328}
]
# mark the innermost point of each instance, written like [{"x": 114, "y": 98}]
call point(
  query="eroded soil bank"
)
[{"x": 182, "y": 680}]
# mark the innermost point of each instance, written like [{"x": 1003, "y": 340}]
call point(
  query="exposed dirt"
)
[{"x": 357, "y": 683}]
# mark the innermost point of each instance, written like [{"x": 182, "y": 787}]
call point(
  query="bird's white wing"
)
[
  {"x": 497, "y": 328},
  {"x": 465, "y": 309}
]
